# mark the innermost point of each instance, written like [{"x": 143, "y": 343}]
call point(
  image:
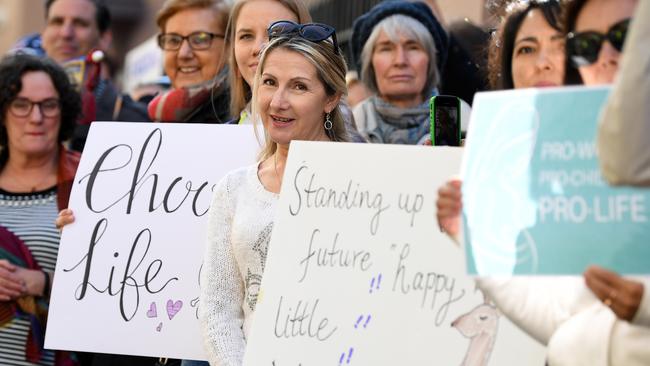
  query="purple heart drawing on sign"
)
[
  {"x": 153, "y": 312},
  {"x": 159, "y": 327},
  {"x": 173, "y": 308}
]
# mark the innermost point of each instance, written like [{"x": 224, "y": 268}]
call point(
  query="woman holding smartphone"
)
[{"x": 603, "y": 319}]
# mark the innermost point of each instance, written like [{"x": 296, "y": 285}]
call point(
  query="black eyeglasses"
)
[
  {"x": 314, "y": 32},
  {"x": 22, "y": 107},
  {"x": 583, "y": 48},
  {"x": 196, "y": 40}
]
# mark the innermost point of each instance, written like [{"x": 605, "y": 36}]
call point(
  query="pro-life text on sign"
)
[{"x": 534, "y": 200}]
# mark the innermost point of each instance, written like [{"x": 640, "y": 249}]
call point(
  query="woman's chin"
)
[
  {"x": 280, "y": 137},
  {"x": 186, "y": 82}
]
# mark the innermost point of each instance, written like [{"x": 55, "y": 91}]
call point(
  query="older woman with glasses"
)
[
  {"x": 39, "y": 111},
  {"x": 298, "y": 85},
  {"x": 192, "y": 39}
]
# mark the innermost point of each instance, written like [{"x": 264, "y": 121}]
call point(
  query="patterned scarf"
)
[
  {"x": 14, "y": 250},
  {"x": 177, "y": 105},
  {"x": 31, "y": 308},
  {"x": 397, "y": 125}
]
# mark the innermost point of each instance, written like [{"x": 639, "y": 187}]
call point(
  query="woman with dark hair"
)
[
  {"x": 603, "y": 319},
  {"x": 39, "y": 111},
  {"x": 527, "y": 50},
  {"x": 596, "y": 31}
]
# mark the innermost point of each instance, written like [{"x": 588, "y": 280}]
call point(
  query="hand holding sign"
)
[
  {"x": 66, "y": 217},
  {"x": 622, "y": 295},
  {"x": 449, "y": 205}
]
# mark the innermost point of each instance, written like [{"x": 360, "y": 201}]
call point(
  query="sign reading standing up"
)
[
  {"x": 127, "y": 273},
  {"x": 358, "y": 272}
]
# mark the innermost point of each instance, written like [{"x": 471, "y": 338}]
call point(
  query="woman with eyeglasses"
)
[
  {"x": 192, "y": 34},
  {"x": 399, "y": 48},
  {"x": 603, "y": 318},
  {"x": 296, "y": 92},
  {"x": 39, "y": 111}
]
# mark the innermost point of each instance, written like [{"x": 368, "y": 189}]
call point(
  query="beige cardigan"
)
[{"x": 625, "y": 122}]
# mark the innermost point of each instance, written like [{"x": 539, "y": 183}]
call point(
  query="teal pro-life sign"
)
[{"x": 534, "y": 201}]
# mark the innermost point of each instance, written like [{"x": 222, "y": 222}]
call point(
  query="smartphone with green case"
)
[{"x": 444, "y": 116}]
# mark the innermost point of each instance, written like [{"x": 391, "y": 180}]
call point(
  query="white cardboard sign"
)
[
  {"x": 358, "y": 272},
  {"x": 127, "y": 274}
]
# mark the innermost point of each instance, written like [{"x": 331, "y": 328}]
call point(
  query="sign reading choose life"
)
[
  {"x": 127, "y": 274},
  {"x": 358, "y": 272}
]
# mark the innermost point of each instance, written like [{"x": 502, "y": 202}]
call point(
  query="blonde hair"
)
[
  {"x": 330, "y": 68},
  {"x": 240, "y": 91}
]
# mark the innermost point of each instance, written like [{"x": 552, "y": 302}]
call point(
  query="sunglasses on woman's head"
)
[
  {"x": 314, "y": 32},
  {"x": 583, "y": 48}
]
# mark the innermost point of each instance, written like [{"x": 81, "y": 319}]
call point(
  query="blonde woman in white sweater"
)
[{"x": 297, "y": 89}]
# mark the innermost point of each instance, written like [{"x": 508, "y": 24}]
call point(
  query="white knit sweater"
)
[
  {"x": 239, "y": 229},
  {"x": 578, "y": 329}
]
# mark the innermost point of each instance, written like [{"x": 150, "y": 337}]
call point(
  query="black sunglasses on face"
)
[
  {"x": 583, "y": 48},
  {"x": 196, "y": 40},
  {"x": 314, "y": 32}
]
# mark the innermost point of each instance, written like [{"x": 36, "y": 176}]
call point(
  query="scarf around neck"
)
[
  {"x": 176, "y": 105},
  {"x": 396, "y": 125}
]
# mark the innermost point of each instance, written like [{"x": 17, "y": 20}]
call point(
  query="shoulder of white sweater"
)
[
  {"x": 239, "y": 174},
  {"x": 642, "y": 316},
  {"x": 234, "y": 181}
]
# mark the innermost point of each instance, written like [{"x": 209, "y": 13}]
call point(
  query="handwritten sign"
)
[
  {"x": 143, "y": 64},
  {"x": 534, "y": 198},
  {"x": 358, "y": 272},
  {"x": 127, "y": 273}
]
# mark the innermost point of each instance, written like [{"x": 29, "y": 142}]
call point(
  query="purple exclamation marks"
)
[
  {"x": 375, "y": 282},
  {"x": 343, "y": 357},
  {"x": 367, "y": 321},
  {"x": 359, "y": 319}
]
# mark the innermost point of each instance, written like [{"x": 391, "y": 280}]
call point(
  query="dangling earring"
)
[{"x": 328, "y": 122}]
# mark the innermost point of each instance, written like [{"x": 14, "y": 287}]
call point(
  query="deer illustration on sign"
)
[{"x": 480, "y": 325}]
